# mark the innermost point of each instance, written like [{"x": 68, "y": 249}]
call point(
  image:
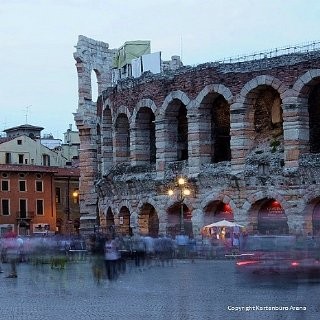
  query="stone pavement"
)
[
  {"x": 185, "y": 291},
  {"x": 158, "y": 292}
]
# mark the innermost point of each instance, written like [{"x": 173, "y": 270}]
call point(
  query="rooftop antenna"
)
[
  {"x": 26, "y": 115},
  {"x": 181, "y": 48}
]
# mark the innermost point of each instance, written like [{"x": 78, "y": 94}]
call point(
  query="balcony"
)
[{"x": 25, "y": 215}]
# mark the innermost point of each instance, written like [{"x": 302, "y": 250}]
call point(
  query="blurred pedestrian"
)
[
  {"x": 12, "y": 248},
  {"x": 111, "y": 256}
]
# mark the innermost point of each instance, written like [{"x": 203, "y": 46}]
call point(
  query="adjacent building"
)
[{"x": 38, "y": 183}]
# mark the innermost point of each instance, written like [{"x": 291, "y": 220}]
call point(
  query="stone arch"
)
[
  {"x": 148, "y": 220},
  {"x": 144, "y": 103},
  {"x": 124, "y": 221},
  {"x": 148, "y": 200},
  {"x": 302, "y": 87},
  {"x": 95, "y": 83},
  {"x": 311, "y": 200},
  {"x": 260, "y": 202},
  {"x": 172, "y": 133},
  {"x": 308, "y": 88},
  {"x": 218, "y": 197},
  {"x": 121, "y": 110},
  {"x": 91, "y": 56},
  {"x": 217, "y": 88},
  {"x": 213, "y": 114},
  {"x": 259, "y": 195},
  {"x": 262, "y": 80},
  {"x": 109, "y": 220},
  {"x": 257, "y": 116},
  {"x": 143, "y": 132},
  {"x": 174, "y": 95},
  {"x": 175, "y": 223}
]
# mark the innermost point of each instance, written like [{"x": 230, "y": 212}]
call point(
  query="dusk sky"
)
[{"x": 38, "y": 77}]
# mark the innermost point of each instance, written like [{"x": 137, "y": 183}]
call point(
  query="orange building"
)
[{"x": 27, "y": 196}]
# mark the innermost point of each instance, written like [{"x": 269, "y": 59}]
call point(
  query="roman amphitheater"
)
[{"x": 244, "y": 134}]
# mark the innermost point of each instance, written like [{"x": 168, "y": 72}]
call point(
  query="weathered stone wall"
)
[
  {"x": 267, "y": 101},
  {"x": 90, "y": 56}
]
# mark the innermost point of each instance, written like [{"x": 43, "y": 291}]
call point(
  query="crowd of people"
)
[{"x": 110, "y": 254}]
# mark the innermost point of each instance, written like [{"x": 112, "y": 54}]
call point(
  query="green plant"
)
[{"x": 274, "y": 144}]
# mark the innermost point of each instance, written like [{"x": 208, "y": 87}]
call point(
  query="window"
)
[
  {"x": 58, "y": 195},
  {"x": 5, "y": 175},
  {"x": 45, "y": 160},
  {"x": 5, "y": 207},
  {"x": 23, "y": 208},
  {"x": 39, "y": 207},
  {"x": 4, "y": 185},
  {"x": 39, "y": 186},
  {"x": 22, "y": 185},
  {"x": 8, "y": 157},
  {"x": 20, "y": 157},
  {"x": 19, "y": 141}
]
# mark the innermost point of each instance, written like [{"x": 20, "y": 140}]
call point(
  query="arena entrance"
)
[
  {"x": 174, "y": 220},
  {"x": 148, "y": 221},
  {"x": 316, "y": 220},
  {"x": 124, "y": 222},
  {"x": 216, "y": 211},
  {"x": 271, "y": 217}
]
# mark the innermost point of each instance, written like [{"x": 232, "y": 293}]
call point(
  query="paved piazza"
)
[{"x": 206, "y": 289}]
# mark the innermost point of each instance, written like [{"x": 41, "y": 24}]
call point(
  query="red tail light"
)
[
  {"x": 244, "y": 263},
  {"x": 295, "y": 263}
]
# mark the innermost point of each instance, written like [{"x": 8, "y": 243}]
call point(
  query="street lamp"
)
[{"x": 182, "y": 192}]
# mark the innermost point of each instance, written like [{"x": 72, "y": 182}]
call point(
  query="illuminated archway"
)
[
  {"x": 216, "y": 211},
  {"x": 174, "y": 216},
  {"x": 271, "y": 218}
]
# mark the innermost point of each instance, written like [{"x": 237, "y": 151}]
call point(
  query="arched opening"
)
[
  {"x": 316, "y": 220},
  {"x": 94, "y": 85},
  {"x": 271, "y": 217},
  {"x": 107, "y": 148},
  {"x": 148, "y": 221},
  {"x": 264, "y": 119},
  {"x": 176, "y": 131},
  {"x": 214, "y": 129},
  {"x": 174, "y": 220},
  {"x": 268, "y": 121},
  {"x": 110, "y": 227},
  {"x": 124, "y": 221},
  {"x": 216, "y": 211},
  {"x": 314, "y": 119},
  {"x": 145, "y": 145},
  {"x": 122, "y": 139}
]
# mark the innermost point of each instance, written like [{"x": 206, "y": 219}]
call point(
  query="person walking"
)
[
  {"x": 12, "y": 248},
  {"x": 111, "y": 255}
]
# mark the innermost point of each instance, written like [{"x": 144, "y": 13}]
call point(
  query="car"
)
[
  {"x": 266, "y": 254},
  {"x": 282, "y": 255}
]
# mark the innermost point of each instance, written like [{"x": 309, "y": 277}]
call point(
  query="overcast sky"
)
[{"x": 38, "y": 79}]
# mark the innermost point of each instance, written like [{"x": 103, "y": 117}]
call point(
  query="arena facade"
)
[{"x": 244, "y": 134}]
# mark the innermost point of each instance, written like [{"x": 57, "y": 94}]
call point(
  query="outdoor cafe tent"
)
[{"x": 223, "y": 223}]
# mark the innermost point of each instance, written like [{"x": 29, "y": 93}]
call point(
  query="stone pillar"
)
[
  {"x": 195, "y": 143},
  {"x": 160, "y": 146},
  {"x": 240, "y": 131},
  {"x": 296, "y": 133},
  {"x": 197, "y": 222}
]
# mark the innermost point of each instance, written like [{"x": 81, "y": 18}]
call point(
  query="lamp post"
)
[{"x": 182, "y": 192}]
